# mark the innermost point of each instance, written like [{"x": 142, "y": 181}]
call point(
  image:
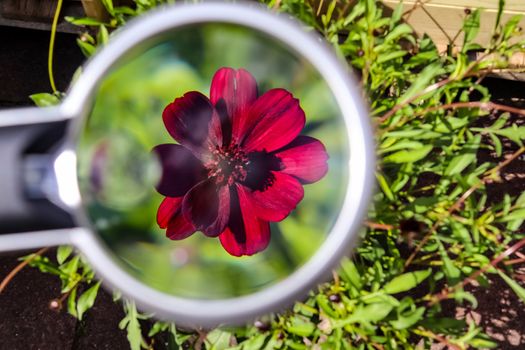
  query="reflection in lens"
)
[{"x": 207, "y": 181}]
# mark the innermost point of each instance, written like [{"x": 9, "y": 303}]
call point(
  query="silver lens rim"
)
[{"x": 209, "y": 313}]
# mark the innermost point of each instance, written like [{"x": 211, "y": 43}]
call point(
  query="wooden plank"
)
[
  {"x": 95, "y": 9},
  {"x": 442, "y": 21},
  {"x": 511, "y": 6}
]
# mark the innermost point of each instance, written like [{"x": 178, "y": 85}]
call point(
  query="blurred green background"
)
[{"x": 126, "y": 123}]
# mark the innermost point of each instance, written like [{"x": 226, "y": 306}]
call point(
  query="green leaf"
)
[
  {"x": 84, "y": 21},
  {"x": 72, "y": 303},
  {"x": 406, "y": 281},
  {"x": 423, "y": 80},
  {"x": 468, "y": 156},
  {"x": 514, "y": 133},
  {"x": 397, "y": 14},
  {"x": 385, "y": 187},
  {"x": 71, "y": 266},
  {"x": 218, "y": 339},
  {"x": 63, "y": 252},
  {"x": 102, "y": 35},
  {"x": 399, "y": 31},
  {"x": 519, "y": 290},
  {"x": 518, "y": 214},
  {"x": 131, "y": 323},
  {"x": 350, "y": 273},
  {"x": 408, "y": 156},
  {"x": 471, "y": 26},
  {"x": 370, "y": 313},
  {"x": 87, "y": 299},
  {"x": 108, "y": 4},
  {"x": 301, "y": 326},
  {"x": 407, "y": 320},
  {"x": 451, "y": 271},
  {"x": 498, "y": 148},
  {"x": 501, "y": 7},
  {"x": 324, "y": 304},
  {"x": 510, "y": 27},
  {"x": 44, "y": 99},
  {"x": 86, "y": 48},
  {"x": 389, "y": 56},
  {"x": 254, "y": 343}
]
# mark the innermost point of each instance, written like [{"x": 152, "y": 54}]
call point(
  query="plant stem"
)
[
  {"x": 444, "y": 294},
  {"x": 19, "y": 267},
  {"x": 52, "y": 46},
  {"x": 474, "y": 104},
  {"x": 488, "y": 175}
]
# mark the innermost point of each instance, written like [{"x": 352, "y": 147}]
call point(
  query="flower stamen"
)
[{"x": 228, "y": 164}]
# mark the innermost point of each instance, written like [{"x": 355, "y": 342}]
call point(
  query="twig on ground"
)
[{"x": 19, "y": 267}]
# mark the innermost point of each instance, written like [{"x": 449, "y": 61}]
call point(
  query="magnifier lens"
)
[{"x": 214, "y": 162}]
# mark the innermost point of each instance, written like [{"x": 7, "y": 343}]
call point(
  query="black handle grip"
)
[{"x": 21, "y": 208}]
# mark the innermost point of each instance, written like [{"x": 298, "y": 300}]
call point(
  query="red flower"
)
[{"x": 241, "y": 162}]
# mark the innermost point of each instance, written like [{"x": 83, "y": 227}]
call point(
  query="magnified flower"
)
[{"x": 240, "y": 162}]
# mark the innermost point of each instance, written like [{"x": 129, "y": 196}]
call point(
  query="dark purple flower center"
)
[{"x": 228, "y": 164}]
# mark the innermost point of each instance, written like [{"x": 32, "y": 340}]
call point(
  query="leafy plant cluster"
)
[{"x": 432, "y": 230}]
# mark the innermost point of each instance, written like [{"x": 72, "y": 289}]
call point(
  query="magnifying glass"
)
[{"x": 213, "y": 163}]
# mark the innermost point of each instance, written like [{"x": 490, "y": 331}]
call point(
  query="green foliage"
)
[{"x": 432, "y": 199}]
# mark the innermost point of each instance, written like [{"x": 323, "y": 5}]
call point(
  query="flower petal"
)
[
  {"x": 179, "y": 228},
  {"x": 169, "y": 216},
  {"x": 207, "y": 207},
  {"x": 304, "y": 158},
  {"x": 273, "y": 121},
  {"x": 167, "y": 209},
  {"x": 180, "y": 170},
  {"x": 275, "y": 202},
  {"x": 237, "y": 88},
  {"x": 187, "y": 119},
  {"x": 246, "y": 234}
]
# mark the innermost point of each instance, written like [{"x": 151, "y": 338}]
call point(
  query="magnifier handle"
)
[{"x": 28, "y": 137}]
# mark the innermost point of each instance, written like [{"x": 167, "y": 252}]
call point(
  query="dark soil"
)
[{"x": 27, "y": 321}]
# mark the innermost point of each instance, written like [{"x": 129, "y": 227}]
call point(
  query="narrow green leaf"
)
[
  {"x": 102, "y": 35},
  {"x": 385, "y": 187},
  {"x": 519, "y": 290},
  {"x": 423, "y": 79},
  {"x": 406, "y": 281},
  {"x": 463, "y": 160},
  {"x": 351, "y": 273},
  {"x": 370, "y": 313},
  {"x": 510, "y": 27},
  {"x": 86, "y": 48},
  {"x": 108, "y": 4},
  {"x": 72, "y": 303},
  {"x": 408, "y": 156},
  {"x": 87, "y": 299},
  {"x": 407, "y": 320},
  {"x": 501, "y": 7},
  {"x": 84, "y": 21},
  {"x": 389, "y": 56},
  {"x": 63, "y": 252},
  {"x": 514, "y": 133},
  {"x": 498, "y": 148},
  {"x": 218, "y": 339},
  {"x": 471, "y": 26},
  {"x": 518, "y": 214},
  {"x": 301, "y": 326},
  {"x": 324, "y": 304},
  {"x": 398, "y": 32},
  {"x": 44, "y": 99},
  {"x": 397, "y": 14}
]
